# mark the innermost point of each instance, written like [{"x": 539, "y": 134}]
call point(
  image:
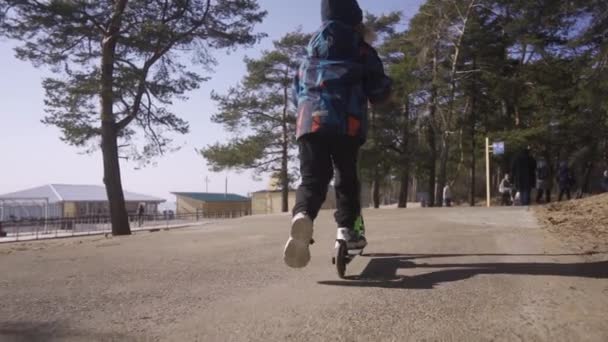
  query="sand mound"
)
[{"x": 583, "y": 223}]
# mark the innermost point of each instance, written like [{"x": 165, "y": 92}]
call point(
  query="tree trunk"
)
[
  {"x": 109, "y": 128},
  {"x": 404, "y": 189},
  {"x": 285, "y": 149},
  {"x": 285, "y": 182},
  {"x": 472, "y": 193},
  {"x": 473, "y": 119},
  {"x": 376, "y": 190},
  {"x": 431, "y": 125},
  {"x": 285, "y": 168},
  {"x": 414, "y": 189},
  {"x": 405, "y": 171},
  {"x": 443, "y": 165},
  {"x": 112, "y": 180},
  {"x": 432, "y": 169},
  {"x": 432, "y": 143}
]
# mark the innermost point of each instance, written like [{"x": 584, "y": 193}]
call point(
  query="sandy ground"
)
[
  {"x": 580, "y": 223},
  {"x": 456, "y": 274}
]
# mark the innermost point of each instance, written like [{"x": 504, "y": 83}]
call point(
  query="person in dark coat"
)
[
  {"x": 340, "y": 75},
  {"x": 605, "y": 181},
  {"x": 524, "y": 175},
  {"x": 565, "y": 179},
  {"x": 543, "y": 181}
]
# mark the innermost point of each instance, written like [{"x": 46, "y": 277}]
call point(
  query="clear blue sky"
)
[{"x": 31, "y": 153}]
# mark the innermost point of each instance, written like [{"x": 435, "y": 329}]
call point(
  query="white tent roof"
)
[{"x": 75, "y": 193}]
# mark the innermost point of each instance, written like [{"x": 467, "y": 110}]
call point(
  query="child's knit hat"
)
[{"x": 345, "y": 11}]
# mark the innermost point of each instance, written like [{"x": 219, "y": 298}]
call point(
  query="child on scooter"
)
[{"x": 340, "y": 75}]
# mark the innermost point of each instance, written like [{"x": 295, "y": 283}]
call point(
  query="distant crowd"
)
[{"x": 527, "y": 174}]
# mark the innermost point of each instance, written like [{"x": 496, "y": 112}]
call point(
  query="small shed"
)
[
  {"x": 212, "y": 204},
  {"x": 271, "y": 201}
]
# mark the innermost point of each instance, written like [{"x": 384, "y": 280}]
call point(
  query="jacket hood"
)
[{"x": 344, "y": 11}]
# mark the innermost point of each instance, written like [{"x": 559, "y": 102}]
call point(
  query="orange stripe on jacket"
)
[
  {"x": 316, "y": 123},
  {"x": 354, "y": 125}
]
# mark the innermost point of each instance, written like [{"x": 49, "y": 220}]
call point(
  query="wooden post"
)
[{"x": 488, "y": 192}]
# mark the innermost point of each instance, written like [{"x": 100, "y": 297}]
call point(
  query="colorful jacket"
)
[{"x": 335, "y": 82}]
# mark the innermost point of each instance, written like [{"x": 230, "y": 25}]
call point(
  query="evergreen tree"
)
[
  {"x": 260, "y": 113},
  {"x": 120, "y": 64},
  {"x": 376, "y": 161}
]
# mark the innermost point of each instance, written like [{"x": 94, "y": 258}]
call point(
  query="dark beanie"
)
[{"x": 345, "y": 11}]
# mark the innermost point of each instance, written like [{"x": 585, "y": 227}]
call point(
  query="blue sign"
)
[{"x": 498, "y": 148}]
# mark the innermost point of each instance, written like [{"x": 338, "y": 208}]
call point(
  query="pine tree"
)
[
  {"x": 376, "y": 160},
  {"x": 119, "y": 65},
  {"x": 260, "y": 113}
]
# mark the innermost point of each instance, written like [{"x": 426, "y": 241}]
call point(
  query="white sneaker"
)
[
  {"x": 297, "y": 253},
  {"x": 352, "y": 241}
]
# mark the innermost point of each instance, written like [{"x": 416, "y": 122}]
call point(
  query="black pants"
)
[
  {"x": 563, "y": 191},
  {"x": 319, "y": 157},
  {"x": 539, "y": 195}
]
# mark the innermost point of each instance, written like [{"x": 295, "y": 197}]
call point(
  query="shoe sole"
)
[
  {"x": 297, "y": 252},
  {"x": 357, "y": 246}
]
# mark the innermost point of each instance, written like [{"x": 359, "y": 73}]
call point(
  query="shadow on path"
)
[
  {"x": 51, "y": 331},
  {"x": 381, "y": 271}
]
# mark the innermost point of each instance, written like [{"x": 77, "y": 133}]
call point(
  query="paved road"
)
[{"x": 431, "y": 274}]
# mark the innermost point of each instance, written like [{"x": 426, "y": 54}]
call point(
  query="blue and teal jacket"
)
[{"x": 335, "y": 82}]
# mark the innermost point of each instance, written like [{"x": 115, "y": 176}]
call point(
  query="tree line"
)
[{"x": 526, "y": 73}]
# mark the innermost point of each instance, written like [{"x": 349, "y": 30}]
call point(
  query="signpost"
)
[
  {"x": 488, "y": 172},
  {"x": 498, "y": 148}
]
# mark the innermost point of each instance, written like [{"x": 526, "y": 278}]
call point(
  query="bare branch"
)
[
  {"x": 259, "y": 113},
  {"x": 97, "y": 24},
  {"x": 127, "y": 62},
  {"x": 149, "y": 63},
  {"x": 266, "y": 163}
]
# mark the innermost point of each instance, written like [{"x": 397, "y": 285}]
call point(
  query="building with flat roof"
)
[
  {"x": 68, "y": 201},
  {"x": 212, "y": 204},
  {"x": 271, "y": 201}
]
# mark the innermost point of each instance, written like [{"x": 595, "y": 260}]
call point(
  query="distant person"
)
[
  {"x": 605, "y": 181},
  {"x": 141, "y": 210},
  {"x": 543, "y": 181},
  {"x": 584, "y": 187},
  {"x": 524, "y": 175},
  {"x": 341, "y": 74},
  {"x": 506, "y": 191},
  {"x": 447, "y": 195},
  {"x": 565, "y": 179}
]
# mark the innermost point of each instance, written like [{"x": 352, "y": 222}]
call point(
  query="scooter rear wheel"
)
[{"x": 341, "y": 258}]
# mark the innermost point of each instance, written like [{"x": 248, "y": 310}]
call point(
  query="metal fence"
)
[{"x": 36, "y": 229}]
